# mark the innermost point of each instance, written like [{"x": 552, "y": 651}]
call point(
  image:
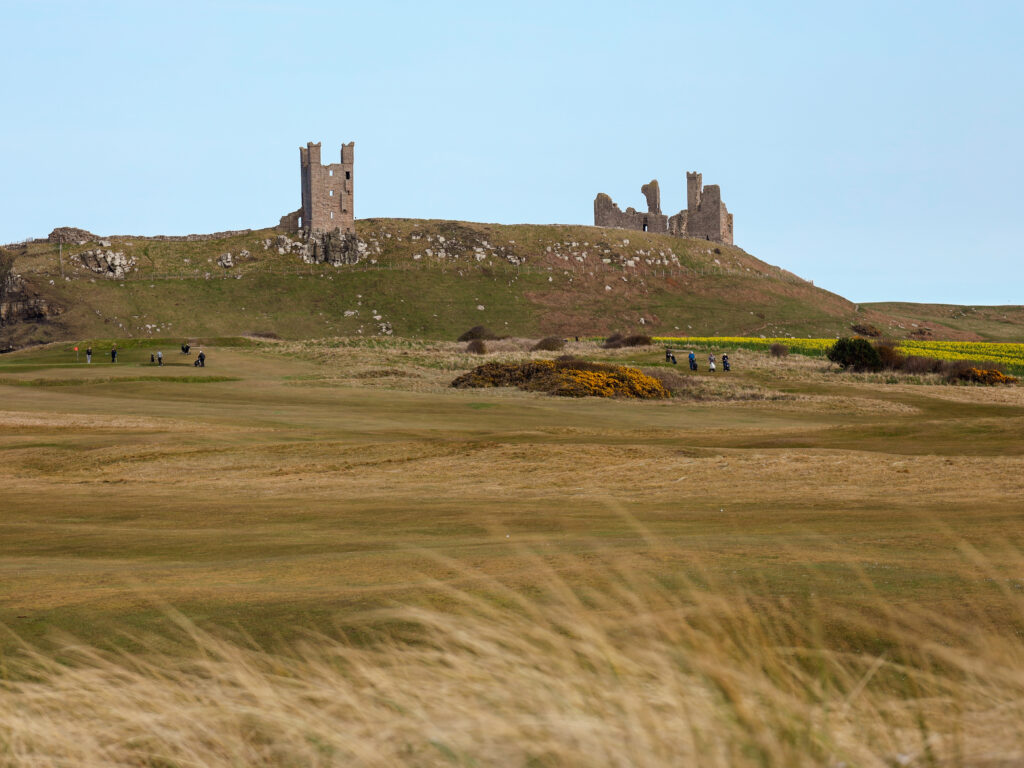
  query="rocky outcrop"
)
[
  {"x": 225, "y": 260},
  {"x": 110, "y": 264},
  {"x": 19, "y": 304},
  {"x": 335, "y": 248}
]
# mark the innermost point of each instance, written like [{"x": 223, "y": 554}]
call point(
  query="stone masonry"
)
[
  {"x": 326, "y": 191},
  {"x": 705, "y": 215}
]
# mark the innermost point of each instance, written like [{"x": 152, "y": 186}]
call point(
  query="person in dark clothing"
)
[
  {"x": 668, "y": 354},
  {"x": 152, "y": 357},
  {"x": 88, "y": 354},
  {"x": 725, "y": 362},
  {"x": 159, "y": 358},
  {"x": 113, "y": 354},
  {"x": 674, "y": 359},
  {"x": 693, "y": 361},
  {"x": 202, "y": 359}
]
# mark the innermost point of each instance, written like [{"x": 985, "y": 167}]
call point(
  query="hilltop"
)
[{"x": 434, "y": 279}]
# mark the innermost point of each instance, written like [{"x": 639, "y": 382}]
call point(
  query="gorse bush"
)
[
  {"x": 988, "y": 376},
  {"x": 477, "y": 347},
  {"x": 866, "y": 329},
  {"x": 778, "y": 350},
  {"x": 549, "y": 344},
  {"x": 617, "y": 341},
  {"x": 477, "y": 332},
  {"x": 855, "y": 354},
  {"x": 890, "y": 357},
  {"x": 571, "y": 378}
]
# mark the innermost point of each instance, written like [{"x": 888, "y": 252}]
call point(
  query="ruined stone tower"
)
[
  {"x": 326, "y": 191},
  {"x": 705, "y": 215}
]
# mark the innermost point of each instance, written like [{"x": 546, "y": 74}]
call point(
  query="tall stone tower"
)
[{"x": 327, "y": 191}]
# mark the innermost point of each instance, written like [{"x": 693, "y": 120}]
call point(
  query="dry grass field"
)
[{"x": 317, "y": 553}]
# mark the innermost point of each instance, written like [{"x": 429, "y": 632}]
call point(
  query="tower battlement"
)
[{"x": 327, "y": 190}]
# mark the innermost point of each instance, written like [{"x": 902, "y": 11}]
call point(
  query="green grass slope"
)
[
  {"x": 424, "y": 278},
  {"x": 997, "y": 323}
]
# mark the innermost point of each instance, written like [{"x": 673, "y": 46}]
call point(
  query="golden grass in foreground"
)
[{"x": 623, "y": 672}]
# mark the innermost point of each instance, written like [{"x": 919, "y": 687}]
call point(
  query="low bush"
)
[
  {"x": 866, "y": 329},
  {"x": 477, "y": 347},
  {"x": 569, "y": 379},
  {"x": 637, "y": 340},
  {"x": 987, "y": 376},
  {"x": 670, "y": 380},
  {"x": 617, "y": 341},
  {"x": 918, "y": 365},
  {"x": 477, "y": 332},
  {"x": 779, "y": 350},
  {"x": 891, "y": 357},
  {"x": 855, "y": 354},
  {"x": 548, "y": 344}
]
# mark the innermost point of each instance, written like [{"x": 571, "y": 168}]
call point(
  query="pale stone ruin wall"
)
[{"x": 705, "y": 215}]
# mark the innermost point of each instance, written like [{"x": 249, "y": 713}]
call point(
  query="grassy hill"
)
[{"x": 425, "y": 278}]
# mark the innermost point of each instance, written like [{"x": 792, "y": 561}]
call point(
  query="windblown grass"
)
[{"x": 624, "y": 671}]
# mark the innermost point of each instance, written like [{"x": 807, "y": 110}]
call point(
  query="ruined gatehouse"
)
[{"x": 705, "y": 215}]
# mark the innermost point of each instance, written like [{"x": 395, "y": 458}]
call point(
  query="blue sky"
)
[{"x": 873, "y": 147}]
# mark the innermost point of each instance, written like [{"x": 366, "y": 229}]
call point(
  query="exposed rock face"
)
[
  {"x": 18, "y": 304},
  {"x": 70, "y": 235},
  {"x": 110, "y": 264},
  {"x": 226, "y": 261},
  {"x": 334, "y": 248}
]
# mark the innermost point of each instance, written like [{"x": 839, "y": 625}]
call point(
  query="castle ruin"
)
[
  {"x": 327, "y": 193},
  {"x": 705, "y": 215}
]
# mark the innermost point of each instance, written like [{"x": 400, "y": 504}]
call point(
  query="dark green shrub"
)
[
  {"x": 614, "y": 341},
  {"x": 778, "y": 350},
  {"x": 855, "y": 354}
]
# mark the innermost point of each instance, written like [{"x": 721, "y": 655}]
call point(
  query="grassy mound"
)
[{"x": 566, "y": 378}]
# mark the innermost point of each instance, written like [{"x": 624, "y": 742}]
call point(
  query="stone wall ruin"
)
[{"x": 705, "y": 215}]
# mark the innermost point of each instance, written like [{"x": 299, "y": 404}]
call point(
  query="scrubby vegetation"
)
[
  {"x": 855, "y": 355},
  {"x": 549, "y": 344},
  {"x": 972, "y": 371},
  {"x": 866, "y": 329},
  {"x": 478, "y": 332},
  {"x": 779, "y": 350},
  {"x": 477, "y": 347},
  {"x": 565, "y": 378},
  {"x": 617, "y": 341},
  {"x": 987, "y": 376}
]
